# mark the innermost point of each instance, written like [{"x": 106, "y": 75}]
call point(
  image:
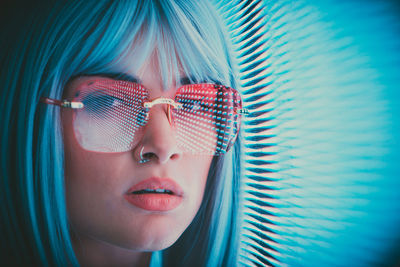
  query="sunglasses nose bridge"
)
[
  {"x": 156, "y": 111},
  {"x": 161, "y": 101}
]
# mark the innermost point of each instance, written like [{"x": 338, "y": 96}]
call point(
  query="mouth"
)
[
  {"x": 153, "y": 191},
  {"x": 155, "y": 194}
]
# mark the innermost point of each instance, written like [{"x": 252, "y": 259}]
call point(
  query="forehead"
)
[
  {"x": 154, "y": 68},
  {"x": 128, "y": 68},
  {"x": 84, "y": 85},
  {"x": 131, "y": 68}
]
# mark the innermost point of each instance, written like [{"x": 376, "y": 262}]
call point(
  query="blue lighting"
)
[{"x": 322, "y": 150}]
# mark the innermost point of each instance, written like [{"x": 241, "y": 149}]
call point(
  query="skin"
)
[{"x": 106, "y": 229}]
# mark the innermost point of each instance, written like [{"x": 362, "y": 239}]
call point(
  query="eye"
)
[
  {"x": 101, "y": 102},
  {"x": 193, "y": 106}
]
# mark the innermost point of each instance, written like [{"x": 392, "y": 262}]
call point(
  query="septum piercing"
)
[{"x": 142, "y": 160}]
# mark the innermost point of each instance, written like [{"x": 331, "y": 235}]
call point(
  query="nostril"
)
[
  {"x": 149, "y": 155},
  {"x": 174, "y": 156}
]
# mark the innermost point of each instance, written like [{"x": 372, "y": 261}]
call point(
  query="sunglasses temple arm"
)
[
  {"x": 50, "y": 101},
  {"x": 62, "y": 103},
  {"x": 243, "y": 111}
]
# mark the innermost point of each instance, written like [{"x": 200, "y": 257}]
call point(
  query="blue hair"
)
[{"x": 51, "y": 43}]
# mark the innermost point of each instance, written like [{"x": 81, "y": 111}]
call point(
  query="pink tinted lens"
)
[
  {"x": 208, "y": 122},
  {"x": 112, "y": 117}
]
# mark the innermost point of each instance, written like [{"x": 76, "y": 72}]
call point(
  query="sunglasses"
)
[{"x": 110, "y": 116}]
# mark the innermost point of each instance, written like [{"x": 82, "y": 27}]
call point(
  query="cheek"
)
[
  {"x": 198, "y": 168},
  {"x": 94, "y": 199},
  {"x": 88, "y": 186},
  {"x": 82, "y": 183}
]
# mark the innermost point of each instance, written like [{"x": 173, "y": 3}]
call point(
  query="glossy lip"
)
[{"x": 155, "y": 201}]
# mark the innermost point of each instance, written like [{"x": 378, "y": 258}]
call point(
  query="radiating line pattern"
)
[{"x": 321, "y": 81}]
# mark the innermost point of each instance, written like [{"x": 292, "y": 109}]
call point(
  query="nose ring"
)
[{"x": 142, "y": 159}]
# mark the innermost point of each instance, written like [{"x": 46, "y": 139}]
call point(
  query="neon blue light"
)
[{"x": 321, "y": 81}]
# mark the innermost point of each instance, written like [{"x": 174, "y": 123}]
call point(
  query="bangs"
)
[
  {"x": 192, "y": 33},
  {"x": 187, "y": 38}
]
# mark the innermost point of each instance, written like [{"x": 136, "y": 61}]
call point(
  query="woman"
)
[{"x": 87, "y": 180}]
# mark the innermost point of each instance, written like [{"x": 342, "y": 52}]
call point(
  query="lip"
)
[{"x": 155, "y": 201}]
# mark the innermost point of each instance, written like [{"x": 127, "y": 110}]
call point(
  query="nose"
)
[{"x": 158, "y": 142}]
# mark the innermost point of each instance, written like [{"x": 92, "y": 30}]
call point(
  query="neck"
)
[{"x": 91, "y": 252}]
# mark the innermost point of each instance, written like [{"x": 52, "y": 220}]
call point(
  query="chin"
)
[
  {"x": 154, "y": 243},
  {"x": 155, "y": 239},
  {"x": 162, "y": 244}
]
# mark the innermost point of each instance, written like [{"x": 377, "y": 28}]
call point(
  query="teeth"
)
[
  {"x": 161, "y": 191},
  {"x": 155, "y": 190},
  {"x": 148, "y": 190}
]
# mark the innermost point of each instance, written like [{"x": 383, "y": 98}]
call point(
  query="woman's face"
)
[{"x": 98, "y": 185}]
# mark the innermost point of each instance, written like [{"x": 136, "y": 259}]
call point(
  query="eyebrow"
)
[
  {"x": 192, "y": 80},
  {"x": 120, "y": 76}
]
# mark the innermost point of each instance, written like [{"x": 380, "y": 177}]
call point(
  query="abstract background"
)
[{"x": 322, "y": 160}]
